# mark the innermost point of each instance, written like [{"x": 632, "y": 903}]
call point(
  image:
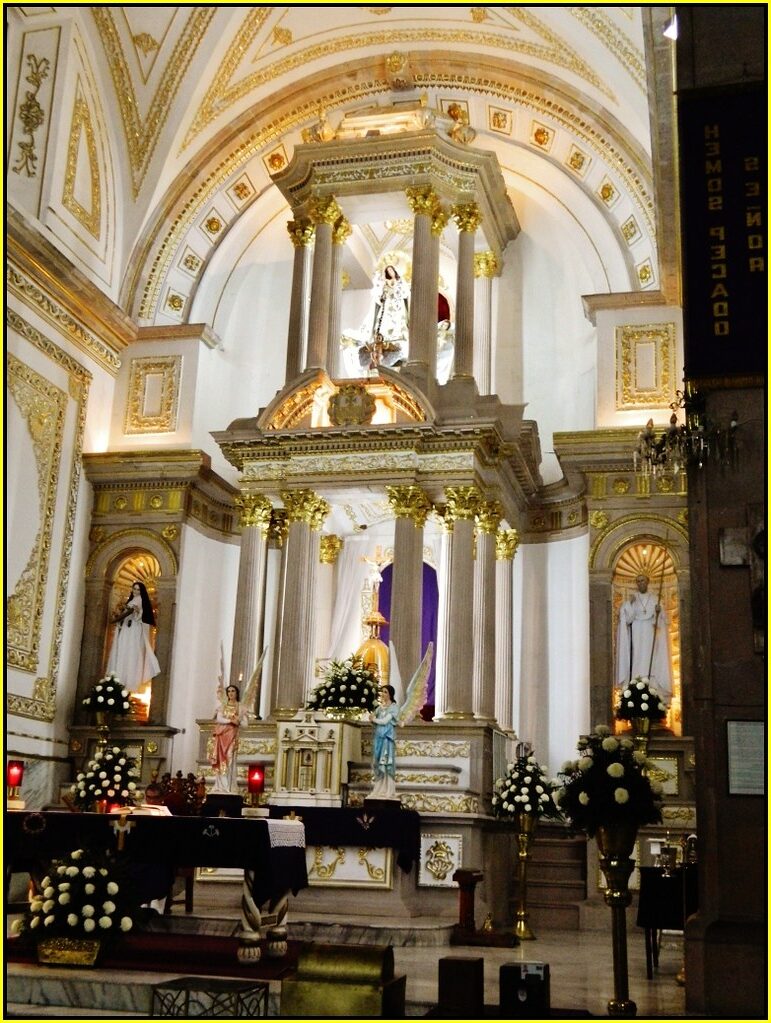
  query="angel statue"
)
[
  {"x": 231, "y": 713},
  {"x": 387, "y": 716}
]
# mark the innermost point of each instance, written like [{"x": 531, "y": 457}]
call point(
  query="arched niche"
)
[
  {"x": 617, "y": 550},
  {"x": 105, "y": 571}
]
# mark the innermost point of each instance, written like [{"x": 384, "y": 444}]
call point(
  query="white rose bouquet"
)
[
  {"x": 108, "y": 695},
  {"x": 525, "y": 788},
  {"x": 111, "y": 775},
  {"x": 82, "y": 895},
  {"x": 640, "y": 699},
  {"x": 347, "y": 685}
]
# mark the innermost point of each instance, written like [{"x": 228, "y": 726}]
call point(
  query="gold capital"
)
[
  {"x": 278, "y": 527},
  {"x": 506, "y": 543},
  {"x": 462, "y": 503},
  {"x": 467, "y": 216},
  {"x": 486, "y": 264},
  {"x": 409, "y": 502},
  {"x": 439, "y": 219},
  {"x": 254, "y": 510},
  {"x": 300, "y": 232},
  {"x": 324, "y": 210},
  {"x": 422, "y": 199},
  {"x": 305, "y": 506},
  {"x": 489, "y": 516},
  {"x": 341, "y": 232},
  {"x": 330, "y": 546}
]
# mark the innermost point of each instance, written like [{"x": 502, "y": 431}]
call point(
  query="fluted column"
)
[
  {"x": 276, "y": 571},
  {"x": 410, "y": 506},
  {"x": 329, "y": 549},
  {"x": 341, "y": 232},
  {"x": 486, "y": 266},
  {"x": 443, "y": 614},
  {"x": 255, "y": 512},
  {"x": 488, "y": 520},
  {"x": 293, "y": 661},
  {"x": 506, "y": 543},
  {"x": 462, "y": 506},
  {"x": 324, "y": 212},
  {"x": 468, "y": 218},
  {"x": 423, "y": 202},
  {"x": 301, "y": 234},
  {"x": 439, "y": 219}
]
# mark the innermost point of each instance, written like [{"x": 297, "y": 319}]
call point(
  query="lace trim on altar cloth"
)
[{"x": 286, "y": 833}]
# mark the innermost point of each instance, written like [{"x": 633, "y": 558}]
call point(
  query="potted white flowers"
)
[
  {"x": 108, "y": 696},
  {"x": 81, "y": 900},
  {"x": 349, "y": 689},
  {"x": 110, "y": 778},
  {"x": 640, "y": 703}
]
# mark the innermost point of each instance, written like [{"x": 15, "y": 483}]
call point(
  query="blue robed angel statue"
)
[{"x": 387, "y": 715}]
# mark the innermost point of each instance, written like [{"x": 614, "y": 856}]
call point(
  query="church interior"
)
[{"x": 431, "y": 336}]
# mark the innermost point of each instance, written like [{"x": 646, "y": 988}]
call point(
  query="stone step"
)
[
  {"x": 557, "y": 870},
  {"x": 557, "y": 892},
  {"x": 548, "y": 916}
]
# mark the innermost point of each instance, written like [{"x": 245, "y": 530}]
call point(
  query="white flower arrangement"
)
[
  {"x": 108, "y": 695},
  {"x": 111, "y": 775},
  {"x": 347, "y": 685},
  {"x": 640, "y": 699},
  {"x": 525, "y": 788},
  {"x": 79, "y": 897}
]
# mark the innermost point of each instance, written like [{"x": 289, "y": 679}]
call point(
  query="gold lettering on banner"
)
[{"x": 31, "y": 115}]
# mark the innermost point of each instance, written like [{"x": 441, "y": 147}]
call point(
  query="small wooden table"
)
[{"x": 665, "y": 903}]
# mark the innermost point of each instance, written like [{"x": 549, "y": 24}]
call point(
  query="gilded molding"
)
[
  {"x": 462, "y": 503},
  {"x": 674, "y": 528},
  {"x": 409, "y": 502},
  {"x": 662, "y": 337},
  {"x": 506, "y": 544},
  {"x": 254, "y": 510},
  {"x": 489, "y": 516},
  {"x": 36, "y": 299},
  {"x": 305, "y": 506},
  {"x": 31, "y": 115},
  {"x": 142, "y": 134},
  {"x": 164, "y": 420},
  {"x": 133, "y": 534},
  {"x": 616, "y": 41},
  {"x": 486, "y": 264},
  {"x": 42, "y": 705},
  {"x": 330, "y": 546},
  {"x": 81, "y": 127},
  {"x": 426, "y": 802},
  {"x": 467, "y": 216}
]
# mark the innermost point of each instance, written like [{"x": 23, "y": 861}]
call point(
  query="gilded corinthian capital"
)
[
  {"x": 422, "y": 199},
  {"x": 462, "y": 503},
  {"x": 305, "y": 506},
  {"x": 467, "y": 216},
  {"x": 489, "y": 516},
  {"x": 409, "y": 502},
  {"x": 486, "y": 264},
  {"x": 324, "y": 210},
  {"x": 330, "y": 546},
  {"x": 341, "y": 232},
  {"x": 439, "y": 218},
  {"x": 506, "y": 543},
  {"x": 278, "y": 528},
  {"x": 300, "y": 232},
  {"x": 254, "y": 510}
]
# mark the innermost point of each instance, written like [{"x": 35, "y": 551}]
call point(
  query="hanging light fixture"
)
[{"x": 693, "y": 443}]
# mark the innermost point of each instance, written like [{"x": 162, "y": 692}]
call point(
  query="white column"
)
[
  {"x": 423, "y": 202},
  {"x": 301, "y": 233},
  {"x": 340, "y": 234},
  {"x": 411, "y": 506},
  {"x": 506, "y": 543},
  {"x": 324, "y": 213},
  {"x": 488, "y": 520},
  {"x": 443, "y": 617},
  {"x": 468, "y": 218},
  {"x": 293, "y": 658},
  {"x": 486, "y": 266},
  {"x": 255, "y": 513},
  {"x": 329, "y": 549}
]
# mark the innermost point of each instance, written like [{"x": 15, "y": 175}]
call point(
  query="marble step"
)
[{"x": 352, "y": 930}]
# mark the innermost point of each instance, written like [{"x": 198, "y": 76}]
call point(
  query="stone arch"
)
[{"x": 101, "y": 568}]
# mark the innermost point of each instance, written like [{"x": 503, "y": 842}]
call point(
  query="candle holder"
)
[
  {"x": 255, "y": 782},
  {"x": 14, "y": 772}
]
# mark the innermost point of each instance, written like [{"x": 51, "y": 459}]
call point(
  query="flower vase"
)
[
  {"x": 102, "y": 728},
  {"x": 524, "y": 828},
  {"x": 68, "y": 951},
  {"x": 641, "y": 729},
  {"x": 615, "y": 843}
]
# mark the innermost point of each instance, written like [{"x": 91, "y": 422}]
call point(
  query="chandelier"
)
[{"x": 693, "y": 443}]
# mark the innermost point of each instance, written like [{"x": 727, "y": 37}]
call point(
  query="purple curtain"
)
[{"x": 428, "y": 625}]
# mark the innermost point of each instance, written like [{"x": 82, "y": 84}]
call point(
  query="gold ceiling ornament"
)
[
  {"x": 462, "y": 503},
  {"x": 616, "y": 41},
  {"x": 489, "y": 517},
  {"x": 598, "y": 520},
  {"x": 279, "y": 527},
  {"x": 506, "y": 544},
  {"x": 467, "y": 216},
  {"x": 324, "y": 209},
  {"x": 144, "y": 42},
  {"x": 409, "y": 502},
  {"x": 254, "y": 510},
  {"x": 305, "y": 506},
  {"x": 330, "y": 546},
  {"x": 486, "y": 264},
  {"x": 142, "y": 133},
  {"x": 81, "y": 128},
  {"x": 31, "y": 115}
]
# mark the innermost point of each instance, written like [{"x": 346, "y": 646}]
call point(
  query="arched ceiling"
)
[{"x": 204, "y": 104}]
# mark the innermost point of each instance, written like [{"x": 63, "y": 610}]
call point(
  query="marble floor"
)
[{"x": 580, "y": 964}]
